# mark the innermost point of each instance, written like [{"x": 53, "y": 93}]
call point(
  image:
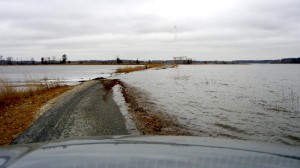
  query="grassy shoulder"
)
[
  {"x": 18, "y": 109},
  {"x": 129, "y": 69}
]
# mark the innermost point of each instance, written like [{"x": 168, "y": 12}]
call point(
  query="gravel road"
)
[{"x": 88, "y": 111}]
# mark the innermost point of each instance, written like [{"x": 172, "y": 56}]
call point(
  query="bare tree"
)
[
  {"x": 32, "y": 61},
  {"x": 9, "y": 60},
  {"x": 53, "y": 59},
  {"x": 1, "y": 59},
  {"x": 63, "y": 59},
  {"x": 119, "y": 61},
  {"x": 42, "y": 60}
]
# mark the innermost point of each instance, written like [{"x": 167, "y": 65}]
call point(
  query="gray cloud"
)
[{"x": 93, "y": 29}]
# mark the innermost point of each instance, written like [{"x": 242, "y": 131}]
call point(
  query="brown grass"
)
[
  {"x": 18, "y": 108},
  {"x": 129, "y": 69}
]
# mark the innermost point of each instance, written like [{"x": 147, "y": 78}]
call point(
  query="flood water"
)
[
  {"x": 250, "y": 102},
  {"x": 67, "y": 74}
]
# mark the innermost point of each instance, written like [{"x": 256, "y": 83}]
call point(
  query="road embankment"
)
[
  {"x": 86, "y": 110},
  {"x": 90, "y": 110}
]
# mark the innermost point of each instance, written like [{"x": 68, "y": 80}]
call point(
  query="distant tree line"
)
[
  {"x": 118, "y": 60},
  {"x": 47, "y": 60},
  {"x": 290, "y": 60},
  {"x": 44, "y": 60},
  {"x": 279, "y": 61},
  {"x": 12, "y": 61}
]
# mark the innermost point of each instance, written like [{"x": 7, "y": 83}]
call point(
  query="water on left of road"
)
[{"x": 66, "y": 74}]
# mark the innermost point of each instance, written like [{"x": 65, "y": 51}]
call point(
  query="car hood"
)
[{"x": 149, "y": 151}]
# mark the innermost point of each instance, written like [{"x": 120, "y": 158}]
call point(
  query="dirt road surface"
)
[{"x": 88, "y": 111}]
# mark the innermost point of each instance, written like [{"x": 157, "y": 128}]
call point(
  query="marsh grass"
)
[
  {"x": 179, "y": 74},
  {"x": 129, "y": 69},
  {"x": 19, "y": 107},
  {"x": 10, "y": 94}
]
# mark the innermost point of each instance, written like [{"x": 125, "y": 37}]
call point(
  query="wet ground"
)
[{"x": 89, "y": 111}]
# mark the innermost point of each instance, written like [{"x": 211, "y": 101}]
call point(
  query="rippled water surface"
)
[{"x": 251, "y": 102}]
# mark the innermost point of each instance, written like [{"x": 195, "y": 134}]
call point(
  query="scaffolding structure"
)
[{"x": 179, "y": 60}]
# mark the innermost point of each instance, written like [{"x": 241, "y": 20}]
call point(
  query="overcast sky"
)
[{"x": 150, "y": 29}]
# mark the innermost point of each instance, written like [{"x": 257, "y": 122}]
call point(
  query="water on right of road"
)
[{"x": 251, "y": 102}]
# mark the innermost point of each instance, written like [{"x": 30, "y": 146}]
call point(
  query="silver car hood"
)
[{"x": 149, "y": 151}]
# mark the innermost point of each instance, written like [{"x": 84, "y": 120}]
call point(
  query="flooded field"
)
[
  {"x": 70, "y": 74},
  {"x": 250, "y": 102}
]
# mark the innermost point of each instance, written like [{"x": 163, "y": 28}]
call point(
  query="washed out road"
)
[{"x": 89, "y": 111}]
